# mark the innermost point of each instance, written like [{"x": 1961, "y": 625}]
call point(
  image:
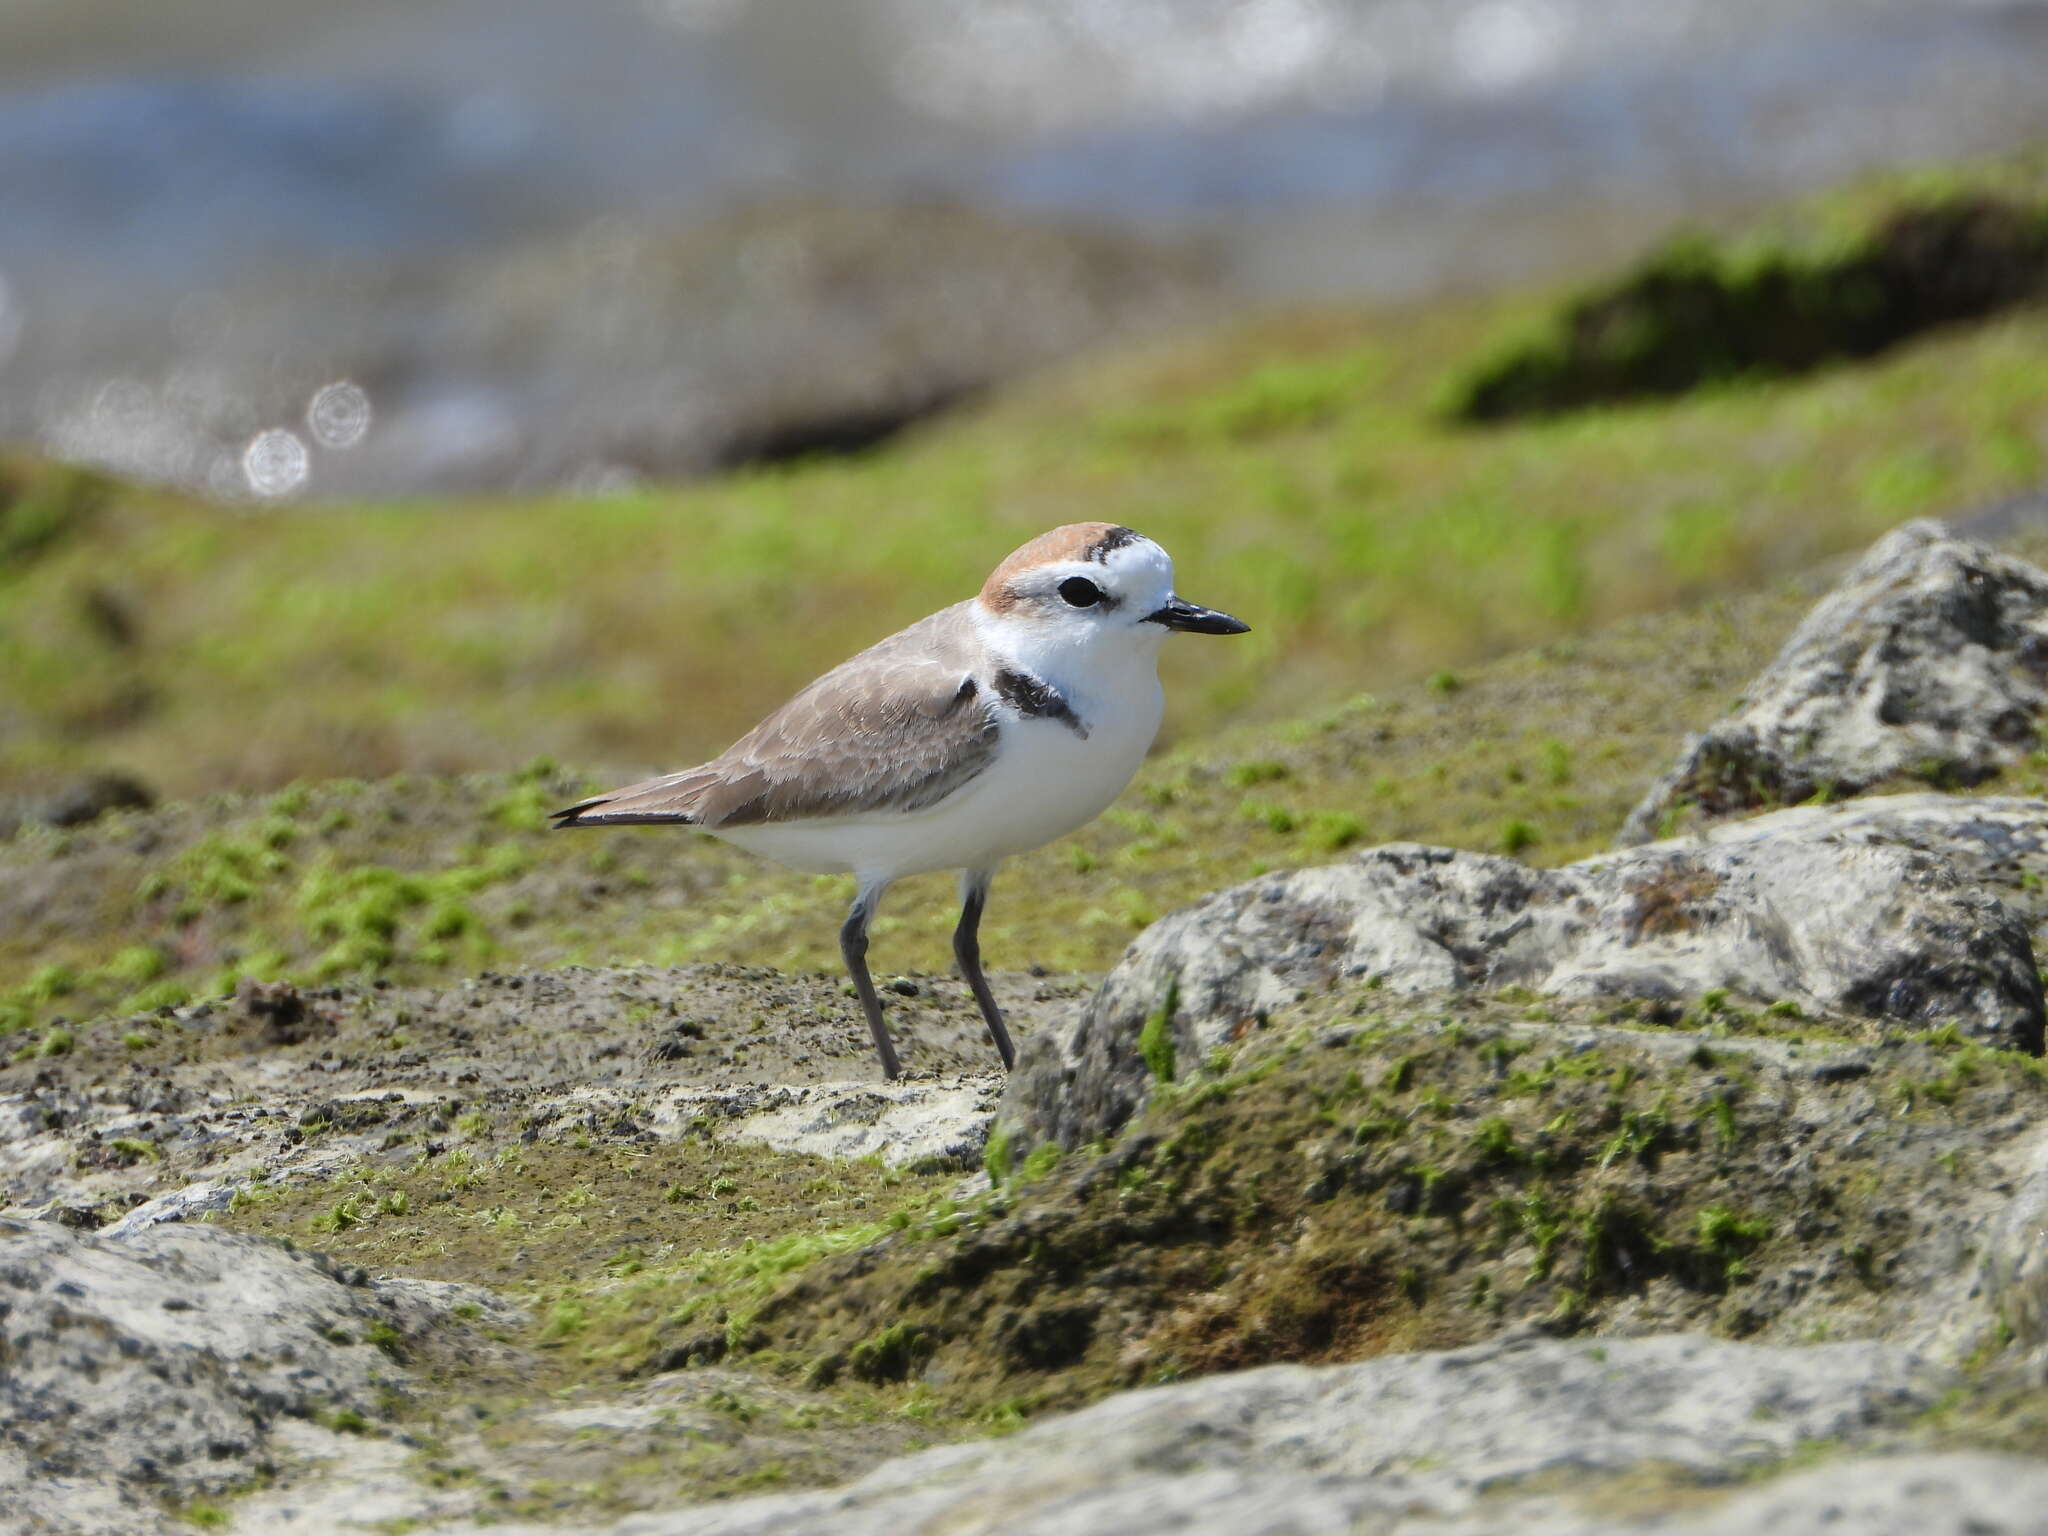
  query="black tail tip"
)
[{"x": 580, "y": 816}]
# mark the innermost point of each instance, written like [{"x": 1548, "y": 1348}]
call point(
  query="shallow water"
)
[{"x": 279, "y": 170}]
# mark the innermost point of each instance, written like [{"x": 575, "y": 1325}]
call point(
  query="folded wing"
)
[{"x": 896, "y": 729}]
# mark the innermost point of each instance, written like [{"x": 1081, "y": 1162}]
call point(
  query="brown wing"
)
[{"x": 898, "y": 728}]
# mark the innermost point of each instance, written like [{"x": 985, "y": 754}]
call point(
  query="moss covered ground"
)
[
  {"x": 639, "y": 1242},
  {"x": 1367, "y": 1175}
]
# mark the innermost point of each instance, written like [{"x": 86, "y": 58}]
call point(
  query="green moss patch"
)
[
  {"x": 634, "y": 1260},
  {"x": 492, "y": 1207}
]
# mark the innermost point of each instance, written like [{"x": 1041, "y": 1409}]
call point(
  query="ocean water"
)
[{"x": 215, "y": 209}]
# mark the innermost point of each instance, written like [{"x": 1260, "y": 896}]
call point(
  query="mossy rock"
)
[
  {"x": 1359, "y": 1181},
  {"x": 1694, "y": 314}
]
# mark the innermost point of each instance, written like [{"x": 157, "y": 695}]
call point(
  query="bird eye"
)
[{"x": 1080, "y": 592}]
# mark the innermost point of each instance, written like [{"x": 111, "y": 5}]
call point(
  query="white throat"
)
[{"x": 1087, "y": 665}]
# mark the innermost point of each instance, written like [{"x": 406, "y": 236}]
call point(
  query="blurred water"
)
[{"x": 197, "y": 199}]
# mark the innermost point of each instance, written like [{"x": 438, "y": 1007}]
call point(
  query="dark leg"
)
[
  {"x": 853, "y": 947},
  {"x": 967, "y": 950}
]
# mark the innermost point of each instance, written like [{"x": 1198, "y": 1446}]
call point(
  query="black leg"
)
[
  {"x": 853, "y": 947},
  {"x": 967, "y": 950}
]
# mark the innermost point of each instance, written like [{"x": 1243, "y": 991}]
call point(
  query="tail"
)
[{"x": 670, "y": 800}]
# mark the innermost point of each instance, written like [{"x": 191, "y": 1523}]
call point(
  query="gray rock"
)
[
  {"x": 2012, "y": 1274},
  {"x": 158, "y": 1368},
  {"x": 1962, "y": 1493},
  {"x": 2000, "y": 842},
  {"x": 1875, "y": 930},
  {"x": 1356, "y": 1447},
  {"x": 199, "y": 1199},
  {"x": 613, "y": 1055},
  {"x": 76, "y": 801},
  {"x": 932, "y": 1121},
  {"x": 1930, "y": 659}
]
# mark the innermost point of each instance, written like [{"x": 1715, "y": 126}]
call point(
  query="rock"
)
[
  {"x": 289, "y": 1082},
  {"x": 2012, "y": 1274},
  {"x": 280, "y": 1012},
  {"x": 1882, "y": 931},
  {"x": 1344, "y": 1448},
  {"x": 77, "y": 801},
  {"x": 2000, "y": 842},
  {"x": 1693, "y": 314},
  {"x": 1929, "y": 660},
  {"x": 922, "y": 1122},
  {"x": 158, "y": 1368},
  {"x": 92, "y": 796},
  {"x": 1962, "y": 1493},
  {"x": 200, "y": 1199}
]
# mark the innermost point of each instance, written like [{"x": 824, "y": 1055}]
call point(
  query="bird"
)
[{"x": 988, "y": 729}]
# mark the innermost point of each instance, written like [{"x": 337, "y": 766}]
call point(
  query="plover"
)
[{"x": 986, "y": 730}]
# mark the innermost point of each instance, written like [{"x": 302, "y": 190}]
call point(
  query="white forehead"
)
[{"x": 1138, "y": 566}]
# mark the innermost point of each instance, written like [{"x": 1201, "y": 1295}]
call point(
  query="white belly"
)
[{"x": 1045, "y": 781}]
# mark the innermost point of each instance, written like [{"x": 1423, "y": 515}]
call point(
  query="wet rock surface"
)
[
  {"x": 1825, "y": 927},
  {"x": 1929, "y": 660}
]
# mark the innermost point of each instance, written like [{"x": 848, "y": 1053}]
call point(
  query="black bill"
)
[{"x": 1196, "y": 620}]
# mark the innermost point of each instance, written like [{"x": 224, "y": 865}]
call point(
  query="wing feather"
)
[{"x": 898, "y": 728}]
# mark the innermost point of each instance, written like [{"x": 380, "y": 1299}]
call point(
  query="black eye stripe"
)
[{"x": 1080, "y": 592}]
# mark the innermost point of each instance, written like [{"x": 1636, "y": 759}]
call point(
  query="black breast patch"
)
[{"x": 1037, "y": 700}]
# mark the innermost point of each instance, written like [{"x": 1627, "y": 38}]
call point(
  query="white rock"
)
[{"x": 2012, "y": 1271}]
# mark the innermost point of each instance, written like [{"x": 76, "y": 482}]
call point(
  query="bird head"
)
[{"x": 1091, "y": 586}]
